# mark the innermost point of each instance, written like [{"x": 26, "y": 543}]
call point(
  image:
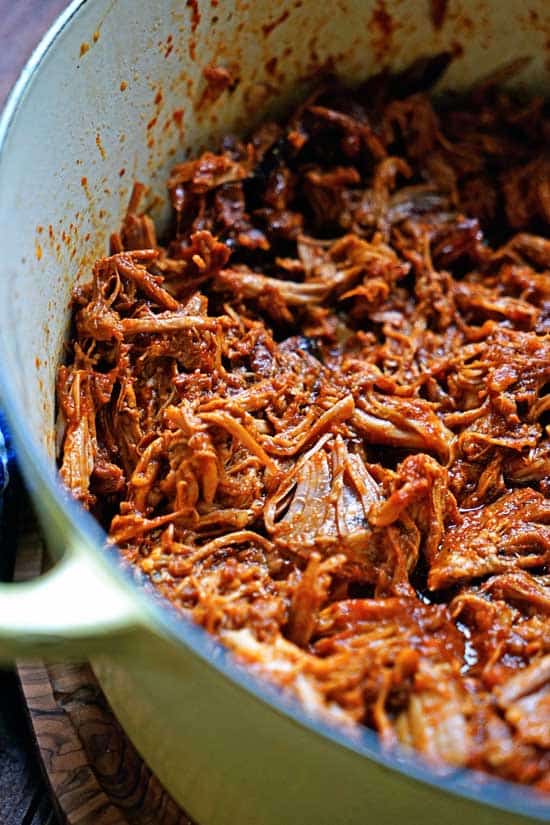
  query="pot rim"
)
[{"x": 472, "y": 785}]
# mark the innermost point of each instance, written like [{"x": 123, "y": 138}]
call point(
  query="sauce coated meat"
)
[{"x": 317, "y": 414}]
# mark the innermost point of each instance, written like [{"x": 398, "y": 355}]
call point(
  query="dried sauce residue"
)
[
  {"x": 438, "y": 11},
  {"x": 271, "y": 65},
  {"x": 177, "y": 116},
  {"x": 85, "y": 47},
  {"x": 169, "y": 46},
  {"x": 195, "y": 13},
  {"x": 269, "y": 28},
  {"x": 316, "y": 414},
  {"x": 100, "y": 147},
  {"x": 382, "y": 27},
  {"x": 155, "y": 118}
]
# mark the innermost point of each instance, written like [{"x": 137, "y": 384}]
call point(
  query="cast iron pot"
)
[{"x": 114, "y": 93}]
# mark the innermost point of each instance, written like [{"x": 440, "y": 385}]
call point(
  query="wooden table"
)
[
  {"x": 22, "y": 24},
  {"x": 24, "y": 799}
]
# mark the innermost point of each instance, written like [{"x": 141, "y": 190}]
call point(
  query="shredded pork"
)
[{"x": 316, "y": 415}]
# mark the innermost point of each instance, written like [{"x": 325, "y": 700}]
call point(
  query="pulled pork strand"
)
[{"x": 316, "y": 415}]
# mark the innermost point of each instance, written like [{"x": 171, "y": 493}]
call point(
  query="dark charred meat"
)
[{"x": 317, "y": 415}]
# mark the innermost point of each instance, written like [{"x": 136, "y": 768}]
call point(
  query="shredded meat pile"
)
[{"x": 316, "y": 415}]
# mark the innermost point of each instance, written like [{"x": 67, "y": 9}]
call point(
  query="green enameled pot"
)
[{"x": 114, "y": 93}]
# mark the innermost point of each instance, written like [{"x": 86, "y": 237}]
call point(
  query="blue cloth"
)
[{"x": 7, "y": 456}]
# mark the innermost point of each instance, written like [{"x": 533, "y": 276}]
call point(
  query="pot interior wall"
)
[{"x": 122, "y": 96}]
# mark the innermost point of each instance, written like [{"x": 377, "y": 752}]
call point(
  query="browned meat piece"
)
[
  {"x": 514, "y": 532},
  {"x": 96, "y": 320},
  {"x": 79, "y": 447},
  {"x": 355, "y": 128},
  {"x": 417, "y": 697},
  {"x": 196, "y": 262},
  {"x": 328, "y": 192},
  {"x": 525, "y": 698},
  {"x": 402, "y": 422},
  {"x": 324, "y": 502},
  {"x": 435, "y": 721},
  {"x": 129, "y": 269},
  {"x": 167, "y": 322},
  {"x": 138, "y": 230},
  {"x": 415, "y": 122},
  {"x": 524, "y": 247},
  {"x": 522, "y": 589},
  {"x": 507, "y": 618},
  {"x": 530, "y": 467},
  {"x": 505, "y": 373},
  {"x": 198, "y": 176},
  {"x": 317, "y": 418},
  {"x": 330, "y": 274},
  {"x": 474, "y": 301},
  {"x": 527, "y": 193},
  {"x": 310, "y": 594},
  {"x": 371, "y": 658},
  {"x": 274, "y": 296},
  {"x": 420, "y": 489}
]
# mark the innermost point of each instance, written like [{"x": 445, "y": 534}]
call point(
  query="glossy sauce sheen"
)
[{"x": 316, "y": 414}]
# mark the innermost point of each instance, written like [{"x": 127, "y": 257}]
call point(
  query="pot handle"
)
[{"x": 73, "y": 611}]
